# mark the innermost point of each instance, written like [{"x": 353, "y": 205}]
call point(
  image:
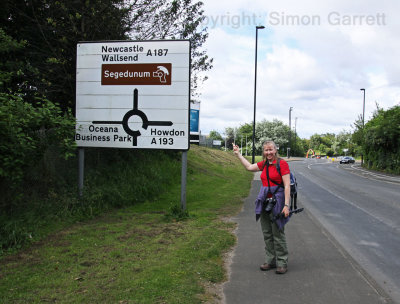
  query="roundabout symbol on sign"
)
[{"x": 135, "y": 112}]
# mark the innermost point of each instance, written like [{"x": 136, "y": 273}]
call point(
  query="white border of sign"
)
[{"x": 133, "y": 94}]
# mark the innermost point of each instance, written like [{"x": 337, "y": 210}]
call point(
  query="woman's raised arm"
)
[{"x": 244, "y": 161}]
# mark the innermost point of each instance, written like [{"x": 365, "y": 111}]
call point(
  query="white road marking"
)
[{"x": 375, "y": 174}]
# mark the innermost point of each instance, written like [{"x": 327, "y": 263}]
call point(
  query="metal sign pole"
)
[
  {"x": 183, "y": 180},
  {"x": 81, "y": 167}
]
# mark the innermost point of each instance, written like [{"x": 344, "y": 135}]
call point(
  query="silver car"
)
[{"x": 347, "y": 160}]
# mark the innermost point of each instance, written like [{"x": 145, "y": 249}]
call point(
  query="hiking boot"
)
[
  {"x": 281, "y": 270},
  {"x": 266, "y": 266}
]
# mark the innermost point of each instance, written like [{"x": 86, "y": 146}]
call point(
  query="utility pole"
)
[
  {"x": 362, "y": 154},
  {"x": 290, "y": 131}
]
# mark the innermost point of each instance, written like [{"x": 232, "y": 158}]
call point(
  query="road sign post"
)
[
  {"x": 81, "y": 166},
  {"x": 183, "y": 180}
]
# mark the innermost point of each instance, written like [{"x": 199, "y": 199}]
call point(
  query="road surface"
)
[{"x": 361, "y": 210}]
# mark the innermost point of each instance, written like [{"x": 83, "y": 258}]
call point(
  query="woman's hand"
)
[
  {"x": 286, "y": 211},
  {"x": 244, "y": 161},
  {"x": 235, "y": 149}
]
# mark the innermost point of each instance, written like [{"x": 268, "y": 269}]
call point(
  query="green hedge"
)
[{"x": 382, "y": 141}]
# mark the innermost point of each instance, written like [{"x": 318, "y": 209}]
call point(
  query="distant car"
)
[{"x": 347, "y": 160}]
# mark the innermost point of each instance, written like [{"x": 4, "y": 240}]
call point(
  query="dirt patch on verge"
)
[{"x": 215, "y": 291}]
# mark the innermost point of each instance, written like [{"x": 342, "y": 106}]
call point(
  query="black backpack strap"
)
[
  {"x": 269, "y": 185},
  {"x": 265, "y": 163},
  {"x": 278, "y": 166}
]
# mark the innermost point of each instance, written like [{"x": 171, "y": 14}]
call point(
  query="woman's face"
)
[{"x": 269, "y": 151}]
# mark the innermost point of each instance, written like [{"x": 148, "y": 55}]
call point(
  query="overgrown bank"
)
[
  {"x": 46, "y": 199},
  {"x": 140, "y": 253}
]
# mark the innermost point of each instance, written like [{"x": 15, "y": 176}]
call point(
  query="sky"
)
[{"x": 313, "y": 56}]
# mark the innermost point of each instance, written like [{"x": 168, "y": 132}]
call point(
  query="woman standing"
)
[{"x": 273, "y": 199}]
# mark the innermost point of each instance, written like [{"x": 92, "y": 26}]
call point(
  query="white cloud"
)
[{"x": 317, "y": 69}]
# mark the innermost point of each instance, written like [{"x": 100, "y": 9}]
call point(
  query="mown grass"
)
[{"x": 138, "y": 254}]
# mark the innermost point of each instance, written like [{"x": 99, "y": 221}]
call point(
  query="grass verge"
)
[
  {"x": 114, "y": 178},
  {"x": 138, "y": 254}
]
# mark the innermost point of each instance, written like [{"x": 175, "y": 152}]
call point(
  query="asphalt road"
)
[{"x": 361, "y": 211}]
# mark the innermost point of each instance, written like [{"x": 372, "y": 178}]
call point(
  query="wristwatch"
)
[{"x": 287, "y": 205}]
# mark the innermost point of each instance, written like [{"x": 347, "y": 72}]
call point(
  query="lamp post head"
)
[
  {"x": 362, "y": 90},
  {"x": 260, "y": 27}
]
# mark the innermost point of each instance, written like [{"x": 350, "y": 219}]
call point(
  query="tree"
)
[
  {"x": 275, "y": 130},
  {"x": 358, "y": 136},
  {"x": 322, "y": 142},
  {"x": 246, "y": 132},
  {"x": 322, "y": 149},
  {"x": 381, "y": 140},
  {"x": 27, "y": 131},
  {"x": 51, "y": 30},
  {"x": 14, "y": 70},
  {"x": 175, "y": 19},
  {"x": 230, "y": 134},
  {"x": 315, "y": 141},
  {"x": 343, "y": 141},
  {"x": 215, "y": 135}
]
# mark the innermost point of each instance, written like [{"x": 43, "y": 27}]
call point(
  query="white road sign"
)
[{"x": 133, "y": 94}]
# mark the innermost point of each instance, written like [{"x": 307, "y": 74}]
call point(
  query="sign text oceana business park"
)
[{"x": 133, "y": 94}]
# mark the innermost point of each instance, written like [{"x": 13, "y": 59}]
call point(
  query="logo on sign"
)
[
  {"x": 162, "y": 73},
  {"x": 136, "y": 74}
]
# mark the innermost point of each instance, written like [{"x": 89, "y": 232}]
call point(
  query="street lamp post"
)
[
  {"x": 255, "y": 95},
  {"x": 295, "y": 133},
  {"x": 290, "y": 131},
  {"x": 362, "y": 155}
]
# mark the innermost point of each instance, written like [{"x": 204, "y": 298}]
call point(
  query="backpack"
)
[{"x": 293, "y": 187}]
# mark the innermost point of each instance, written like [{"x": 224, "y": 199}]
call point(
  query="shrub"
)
[
  {"x": 381, "y": 140},
  {"x": 27, "y": 133}
]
